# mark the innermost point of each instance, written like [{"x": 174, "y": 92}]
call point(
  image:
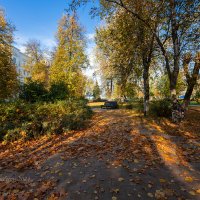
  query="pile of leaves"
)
[{"x": 22, "y": 120}]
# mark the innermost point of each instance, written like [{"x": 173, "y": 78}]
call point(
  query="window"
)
[{"x": 14, "y": 60}]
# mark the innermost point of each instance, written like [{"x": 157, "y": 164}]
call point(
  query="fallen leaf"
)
[
  {"x": 162, "y": 180},
  {"x": 188, "y": 179},
  {"x": 150, "y": 195},
  {"x": 120, "y": 179},
  {"x": 116, "y": 190},
  {"x": 192, "y": 193},
  {"x": 159, "y": 194},
  {"x": 198, "y": 191}
]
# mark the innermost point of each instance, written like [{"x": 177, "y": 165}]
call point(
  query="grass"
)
[
  {"x": 194, "y": 103},
  {"x": 134, "y": 105},
  {"x": 95, "y": 104}
]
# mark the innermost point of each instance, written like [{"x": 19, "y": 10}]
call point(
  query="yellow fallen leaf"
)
[
  {"x": 150, "y": 195},
  {"x": 114, "y": 198},
  {"x": 198, "y": 191},
  {"x": 159, "y": 194},
  {"x": 192, "y": 193},
  {"x": 162, "y": 180},
  {"x": 188, "y": 179},
  {"x": 116, "y": 190},
  {"x": 120, "y": 179},
  {"x": 136, "y": 161}
]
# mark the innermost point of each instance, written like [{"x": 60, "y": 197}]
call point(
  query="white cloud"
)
[
  {"x": 90, "y": 37},
  {"x": 49, "y": 43},
  {"x": 20, "y": 41}
]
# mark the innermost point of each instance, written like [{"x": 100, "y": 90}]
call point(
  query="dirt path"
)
[{"x": 120, "y": 156}]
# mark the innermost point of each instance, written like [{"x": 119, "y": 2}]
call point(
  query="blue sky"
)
[{"x": 38, "y": 19}]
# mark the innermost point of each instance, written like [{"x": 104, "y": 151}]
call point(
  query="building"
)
[{"x": 19, "y": 60}]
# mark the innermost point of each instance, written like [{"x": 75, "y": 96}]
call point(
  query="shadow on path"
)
[{"x": 121, "y": 155}]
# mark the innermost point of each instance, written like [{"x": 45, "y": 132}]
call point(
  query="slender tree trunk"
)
[
  {"x": 188, "y": 95},
  {"x": 111, "y": 86},
  {"x": 176, "y": 49},
  {"x": 146, "y": 88},
  {"x": 173, "y": 82},
  {"x": 190, "y": 78}
]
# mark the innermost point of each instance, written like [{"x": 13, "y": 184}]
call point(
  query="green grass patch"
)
[{"x": 194, "y": 103}]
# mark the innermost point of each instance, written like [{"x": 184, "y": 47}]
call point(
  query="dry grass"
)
[{"x": 95, "y": 104}]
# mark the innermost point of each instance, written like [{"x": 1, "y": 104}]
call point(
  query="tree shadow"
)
[{"x": 121, "y": 154}]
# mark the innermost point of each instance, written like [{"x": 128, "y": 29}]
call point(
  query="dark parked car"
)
[{"x": 110, "y": 104}]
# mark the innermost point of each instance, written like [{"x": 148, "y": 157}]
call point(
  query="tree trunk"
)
[
  {"x": 146, "y": 88},
  {"x": 111, "y": 86},
  {"x": 176, "y": 49},
  {"x": 190, "y": 78},
  {"x": 173, "y": 82},
  {"x": 188, "y": 95}
]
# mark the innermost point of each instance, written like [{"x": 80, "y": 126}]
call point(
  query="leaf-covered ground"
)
[{"x": 120, "y": 156}]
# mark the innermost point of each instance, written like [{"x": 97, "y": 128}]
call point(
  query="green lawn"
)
[{"x": 194, "y": 103}]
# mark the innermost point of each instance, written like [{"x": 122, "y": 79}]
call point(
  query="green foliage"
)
[
  {"x": 33, "y": 92},
  {"x": 163, "y": 85},
  {"x": 8, "y": 74},
  {"x": 69, "y": 58},
  {"x": 197, "y": 95},
  {"x": 36, "y": 63},
  {"x": 161, "y": 108},
  {"x": 25, "y": 120},
  {"x": 58, "y": 91},
  {"x": 136, "y": 104},
  {"x": 130, "y": 90},
  {"x": 129, "y": 106},
  {"x": 96, "y": 91}
]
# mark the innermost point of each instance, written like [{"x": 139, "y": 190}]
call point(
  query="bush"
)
[
  {"x": 30, "y": 120},
  {"x": 33, "y": 92},
  {"x": 135, "y": 104},
  {"x": 129, "y": 106},
  {"x": 161, "y": 108},
  {"x": 197, "y": 96},
  {"x": 58, "y": 91},
  {"x": 99, "y": 100}
]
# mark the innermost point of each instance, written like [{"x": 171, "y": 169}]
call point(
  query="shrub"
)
[
  {"x": 197, "y": 96},
  {"x": 161, "y": 108},
  {"x": 30, "y": 120},
  {"x": 33, "y": 92},
  {"x": 58, "y": 91},
  {"x": 129, "y": 106},
  {"x": 135, "y": 104}
]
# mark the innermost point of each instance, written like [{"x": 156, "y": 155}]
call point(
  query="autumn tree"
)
[
  {"x": 96, "y": 91},
  {"x": 128, "y": 48},
  {"x": 37, "y": 65},
  {"x": 89, "y": 87},
  {"x": 177, "y": 27},
  {"x": 8, "y": 74},
  {"x": 70, "y": 57}
]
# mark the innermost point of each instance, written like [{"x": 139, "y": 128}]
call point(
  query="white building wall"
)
[{"x": 19, "y": 60}]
